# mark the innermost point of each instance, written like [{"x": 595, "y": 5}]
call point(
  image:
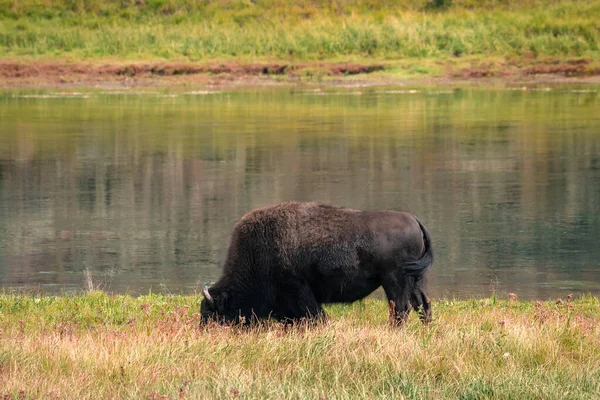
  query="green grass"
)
[
  {"x": 365, "y": 30},
  {"x": 101, "y": 346}
]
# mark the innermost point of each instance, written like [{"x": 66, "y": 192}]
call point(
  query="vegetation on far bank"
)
[
  {"x": 365, "y": 31},
  {"x": 102, "y": 346}
]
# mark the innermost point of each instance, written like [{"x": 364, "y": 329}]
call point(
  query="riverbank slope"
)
[{"x": 132, "y": 42}]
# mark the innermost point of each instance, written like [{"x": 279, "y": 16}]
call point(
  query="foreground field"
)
[{"x": 101, "y": 346}]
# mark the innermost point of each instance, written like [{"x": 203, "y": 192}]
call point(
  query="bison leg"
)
[
  {"x": 427, "y": 315},
  {"x": 397, "y": 291},
  {"x": 420, "y": 302},
  {"x": 297, "y": 304}
]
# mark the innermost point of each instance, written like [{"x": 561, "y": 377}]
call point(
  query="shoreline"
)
[{"x": 231, "y": 74}]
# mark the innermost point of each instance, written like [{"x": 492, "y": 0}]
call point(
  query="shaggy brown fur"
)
[{"x": 288, "y": 259}]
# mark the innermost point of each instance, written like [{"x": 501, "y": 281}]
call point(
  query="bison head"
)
[{"x": 214, "y": 306}]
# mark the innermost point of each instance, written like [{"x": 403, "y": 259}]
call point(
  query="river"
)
[{"x": 133, "y": 191}]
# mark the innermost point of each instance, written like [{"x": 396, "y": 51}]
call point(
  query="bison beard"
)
[{"x": 286, "y": 260}]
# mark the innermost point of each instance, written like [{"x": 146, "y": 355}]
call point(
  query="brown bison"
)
[{"x": 286, "y": 260}]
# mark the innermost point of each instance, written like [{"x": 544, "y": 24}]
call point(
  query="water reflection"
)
[{"x": 143, "y": 189}]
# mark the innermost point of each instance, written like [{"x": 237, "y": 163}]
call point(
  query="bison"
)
[{"x": 286, "y": 260}]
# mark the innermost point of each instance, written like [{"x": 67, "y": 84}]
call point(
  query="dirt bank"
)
[{"x": 56, "y": 74}]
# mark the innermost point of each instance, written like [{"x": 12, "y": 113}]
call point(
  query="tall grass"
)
[
  {"x": 306, "y": 30},
  {"x": 101, "y": 346}
]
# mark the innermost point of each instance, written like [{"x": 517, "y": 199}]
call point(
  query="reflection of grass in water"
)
[
  {"x": 120, "y": 346},
  {"x": 194, "y": 30},
  {"x": 267, "y": 118}
]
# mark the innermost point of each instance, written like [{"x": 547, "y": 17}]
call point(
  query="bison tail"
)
[{"x": 418, "y": 267}]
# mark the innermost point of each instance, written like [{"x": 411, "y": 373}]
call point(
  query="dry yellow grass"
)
[{"x": 101, "y": 346}]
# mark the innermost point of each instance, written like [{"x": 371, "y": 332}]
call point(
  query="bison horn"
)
[{"x": 207, "y": 296}]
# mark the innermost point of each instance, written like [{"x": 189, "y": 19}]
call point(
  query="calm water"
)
[{"x": 141, "y": 190}]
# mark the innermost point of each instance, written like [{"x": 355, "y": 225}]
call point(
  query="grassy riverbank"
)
[
  {"x": 406, "y": 38},
  {"x": 100, "y": 346}
]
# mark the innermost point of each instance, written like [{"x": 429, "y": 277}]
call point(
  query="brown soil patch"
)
[
  {"x": 486, "y": 70},
  {"x": 63, "y": 72},
  {"x": 54, "y": 74},
  {"x": 576, "y": 67},
  {"x": 24, "y": 70},
  {"x": 355, "y": 69},
  {"x": 582, "y": 67}
]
